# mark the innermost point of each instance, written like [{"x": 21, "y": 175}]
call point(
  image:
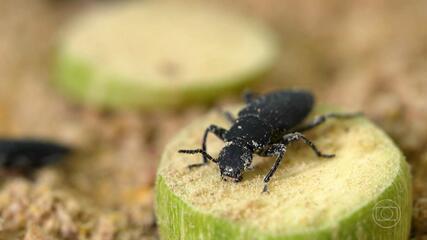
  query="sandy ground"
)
[{"x": 368, "y": 57}]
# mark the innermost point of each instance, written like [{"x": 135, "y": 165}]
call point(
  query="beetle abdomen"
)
[{"x": 282, "y": 109}]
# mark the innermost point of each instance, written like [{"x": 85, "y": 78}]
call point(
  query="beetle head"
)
[{"x": 232, "y": 161}]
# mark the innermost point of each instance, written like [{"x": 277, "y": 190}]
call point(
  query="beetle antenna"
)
[{"x": 200, "y": 151}]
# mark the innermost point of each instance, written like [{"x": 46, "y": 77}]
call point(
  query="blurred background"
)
[{"x": 369, "y": 56}]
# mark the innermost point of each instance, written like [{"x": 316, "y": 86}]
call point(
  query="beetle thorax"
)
[{"x": 251, "y": 131}]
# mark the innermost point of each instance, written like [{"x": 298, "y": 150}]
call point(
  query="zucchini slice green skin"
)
[
  {"x": 179, "y": 219},
  {"x": 77, "y": 79}
]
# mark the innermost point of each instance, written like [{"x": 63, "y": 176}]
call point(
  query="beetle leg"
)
[
  {"x": 279, "y": 150},
  {"x": 321, "y": 119},
  {"x": 229, "y": 116},
  {"x": 292, "y": 137},
  {"x": 195, "y": 151},
  {"x": 217, "y": 131}
]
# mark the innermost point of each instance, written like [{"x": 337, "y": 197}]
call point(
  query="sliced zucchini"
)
[
  {"x": 362, "y": 193},
  {"x": 153, "y": 54}
]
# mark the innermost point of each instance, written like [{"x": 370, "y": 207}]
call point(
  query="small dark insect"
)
[
  {"x": 265, "y": 126},
  {"x": 25, "y": 155}
]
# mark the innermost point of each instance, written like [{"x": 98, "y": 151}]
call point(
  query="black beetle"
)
[
  {"x": 265, "y": 126},
  {"x": 25, "y": 155}
]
